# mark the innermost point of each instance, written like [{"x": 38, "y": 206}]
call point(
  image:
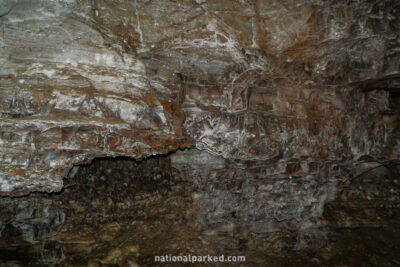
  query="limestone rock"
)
[{"x": 284, "y": 104}]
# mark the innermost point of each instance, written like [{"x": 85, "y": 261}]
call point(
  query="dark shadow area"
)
[{"x": 122, "y": 212}]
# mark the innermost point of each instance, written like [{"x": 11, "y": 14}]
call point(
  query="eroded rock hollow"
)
[{"x": 268, "y": 129}]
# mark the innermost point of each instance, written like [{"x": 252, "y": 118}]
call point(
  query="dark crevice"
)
[{"x": 100, "y": 192}]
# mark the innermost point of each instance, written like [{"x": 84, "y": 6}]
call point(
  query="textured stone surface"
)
[
  {"x": 69, "y": 93},
  {"x": 244, "y": 79},
  {"x": 285, "y": 105},
  {"x": 116, "y": 211}
]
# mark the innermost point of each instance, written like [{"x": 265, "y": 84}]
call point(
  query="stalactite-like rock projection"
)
[{"x": 263, "y": 128}]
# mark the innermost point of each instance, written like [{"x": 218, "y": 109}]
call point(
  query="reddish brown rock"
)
[{"x": 284, "y": 104}]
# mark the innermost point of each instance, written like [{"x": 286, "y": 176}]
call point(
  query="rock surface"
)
[
  {"x": 242, "y": 79},
  {"x": 285, "y": 106},
  {"x": 121, "y": 212}
]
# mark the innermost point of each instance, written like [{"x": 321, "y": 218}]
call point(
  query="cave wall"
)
[
  {"x": 266, "y": 114},
  {"x": 248, "y": 80},
  {"x": 121, "y": 211}
]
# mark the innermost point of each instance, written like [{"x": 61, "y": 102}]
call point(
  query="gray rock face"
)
[
  {"x": 243, "y": 80},
  {"x": 69, "y": 94},
  {"x": 281, "y": 103},
  {"x": 84, "y": 79}
]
